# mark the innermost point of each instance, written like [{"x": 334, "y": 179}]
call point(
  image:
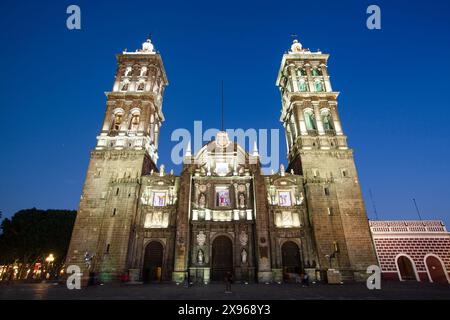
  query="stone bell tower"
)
[
  {"x": 127, "y": 148},
  {"x": 318, "y": 150}
]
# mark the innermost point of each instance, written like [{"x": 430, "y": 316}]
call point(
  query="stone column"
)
[
  {"x": 291, "y": 70},
  {"x": 309, "y": 78},
  {"x": 300, "y": 120},
  {"x": 318, "y": 117},
  {"x": 326, "y": 78},
  {"x": 335, "y": 116}
]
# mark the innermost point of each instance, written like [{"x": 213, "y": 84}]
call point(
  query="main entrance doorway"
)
[
  {"x": 153, "y": 260},
  {"x": 290, "y": 255},
  {"x": 222, "y": 258}
]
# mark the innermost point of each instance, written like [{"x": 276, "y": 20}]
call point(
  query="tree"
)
[{"x": 32, "y": 234}]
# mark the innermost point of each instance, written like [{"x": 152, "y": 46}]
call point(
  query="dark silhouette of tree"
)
[{"x": 31, "y": 234}]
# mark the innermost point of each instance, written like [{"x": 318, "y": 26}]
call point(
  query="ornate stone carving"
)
[
  {"x": 201, "y": 238},
  {"x": 243, "y": 238}
]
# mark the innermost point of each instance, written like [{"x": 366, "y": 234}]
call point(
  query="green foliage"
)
[{"x": 32, "y": 234}]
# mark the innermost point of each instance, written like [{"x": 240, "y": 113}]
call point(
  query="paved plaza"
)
[{"x": 215, "y": 291}]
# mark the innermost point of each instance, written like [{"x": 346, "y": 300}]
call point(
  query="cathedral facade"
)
[{"x": 221, "y": 214}]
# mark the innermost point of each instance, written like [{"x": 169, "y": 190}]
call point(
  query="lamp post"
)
[{"x": 49, "y": 261}]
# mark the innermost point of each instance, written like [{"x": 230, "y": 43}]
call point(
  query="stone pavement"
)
[{"x": 215, "y": 291}]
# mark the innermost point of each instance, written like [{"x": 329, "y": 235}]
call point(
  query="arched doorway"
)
[
  {"x": 153, "y": 260},
  {"x": 290, "y": 257},
  {"x": 406, "y": 268},
  {"x": 222, "y": 258},
  {"x": 436, "y": 270}
]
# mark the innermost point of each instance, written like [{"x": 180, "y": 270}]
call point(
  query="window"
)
[
  {"x": 316, "y": 173},
  {"x": 141, "y": 86},
  {"x": 107, "y": 248},
  {"x": 326, "y": 191},
  {"x": 309, "y": 120},
  {"x": 316, "y": 72},
  {"x": 124, "y": 86},
  {"x": 117, "y": 121},
  {"x": 284, "y": 198},
  {"x": 326, "y": 120},
  {"x": 159, "y": 199},
  {"x": 318, "y": 86},
  {"x": 222, "y": 197},
  {"x": 134, "y": 125},
  {"x": 114, "y": 212},
  {"x": 344, "y": 173},
  {"x": 117, "y": 192},
  {"x": 330, "y": 211},
  {"x": 302, "y": 85}
]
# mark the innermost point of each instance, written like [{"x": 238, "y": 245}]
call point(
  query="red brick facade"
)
[{"x": 426, "y": 244}]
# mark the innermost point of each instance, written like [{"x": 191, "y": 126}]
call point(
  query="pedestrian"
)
[
  {"x": 305, "y": 280},
  {"x": 228, "y": 279}
]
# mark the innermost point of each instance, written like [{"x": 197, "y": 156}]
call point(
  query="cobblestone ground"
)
[{"x": 169, "y": 291}]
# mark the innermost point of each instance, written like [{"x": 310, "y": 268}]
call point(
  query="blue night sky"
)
[{"x": 393, "y": 85}]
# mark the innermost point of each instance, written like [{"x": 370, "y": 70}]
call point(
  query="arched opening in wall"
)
[
  {"x": 406, "y": 268},
  {"x": 222, "y": 258},
  {"x": 290, "y": 258},
  {"x": 436, "y": 270},
  {"x": 153, "y": 261}
]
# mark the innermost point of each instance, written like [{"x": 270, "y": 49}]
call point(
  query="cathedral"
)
[{"x": 221, "y": 214}]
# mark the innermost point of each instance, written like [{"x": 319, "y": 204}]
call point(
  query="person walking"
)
[{"x": 228, "y": 279}]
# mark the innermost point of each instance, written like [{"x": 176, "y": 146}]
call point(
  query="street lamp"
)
[
  {"x": 49, "y": 261},
  {"x": 50, "y": 258}
]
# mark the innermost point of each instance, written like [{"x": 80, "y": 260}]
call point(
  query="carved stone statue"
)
[
  {"x": 282, "y": 172},
  {"x": 200, "y": 256},
  {"x": 241, "y": 200},
  {"x": 161, "y": 170},
  {"x": 202, "y": 200},
  {"x": 244, "y": 256}
]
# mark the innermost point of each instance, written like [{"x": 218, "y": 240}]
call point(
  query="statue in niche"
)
[
  {"x": 326, "y": 119},
  {"x": 200, "y": 256},
  {"x": 244, "y": 256},
  {"x": 241, "y": 200},
  {"x": 202, "y": 200}
]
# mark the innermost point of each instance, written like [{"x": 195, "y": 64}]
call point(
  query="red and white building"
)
[{"x": 412, "y": 250}]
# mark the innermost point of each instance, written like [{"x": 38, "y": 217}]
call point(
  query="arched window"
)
[
  {"x": 124, "y": 85},
  {"x": 301, "y": 72},
  {"x": 310, "y": 120},
  {"x": 327, "y": 121},
  {"x": 302, "y": 85},
  {"x": 141, "y": 86},
  {"x": 318, "y": 86},
  {"x": 134, "y": 124},
  {"x": 316, "y": 72},
  {"x": 117, "y": 121}
]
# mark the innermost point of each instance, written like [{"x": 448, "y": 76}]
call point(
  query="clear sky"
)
[{"x": 393, "y": 105}]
